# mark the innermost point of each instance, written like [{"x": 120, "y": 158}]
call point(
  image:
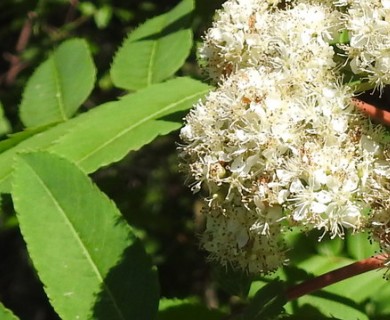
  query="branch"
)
[
  {"x": 15, "y": 61},
  {"x": 378, "y": 114},
  {"x": 337, "y": 275}
]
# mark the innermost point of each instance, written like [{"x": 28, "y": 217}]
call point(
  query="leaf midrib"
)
[
  {"x": 58, "y": 93},
  {"x": 80, "y": 242},
  {"x": 138, "y": 123},
  {"x": 152, "y": 60}
]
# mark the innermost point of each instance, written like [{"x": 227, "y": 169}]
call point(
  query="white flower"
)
[
  {"x": 230, "y": 241},
  {"x": 278, "y": 143},
  {"x": 254, "y": 37},
  {"x": 368, "y": 23}
]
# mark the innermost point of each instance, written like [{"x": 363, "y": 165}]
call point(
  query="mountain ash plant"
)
[{"x": 295, "y": 179}]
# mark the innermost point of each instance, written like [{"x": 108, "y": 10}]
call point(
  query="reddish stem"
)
[
  {"x": 15, "y": 60},
  {"x": 337, "y": 275},
  {"x": 372, "y": 111}
]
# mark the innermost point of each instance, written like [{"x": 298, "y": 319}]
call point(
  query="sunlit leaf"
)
[
  {"x": 5, "y": 126},
  {"x": 107, "y": 133},
  {"x": 155, "y": 50},
  {"x": 330, "y": 247},
  {"x": 79, "y": 243},
  {"x": 343, "y": 299},
  {"x": 59, "y": 86},
  {"x": 6, "y": 314},
  {"x": 360, "y": 247}
]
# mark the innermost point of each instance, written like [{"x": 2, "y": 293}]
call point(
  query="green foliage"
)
[
  {"x": 59, "y": 86},
  {"x": 97, "y": 248},
  {"x": 327, "y": 306},
  {"x": 156, "y": 50},
  {"x": 360, "y": 297},
  {"x": 128, "y": 124},
  {"x": 359, "y": 246},
  {"x": 380, "y": 301},
  {"x": 107, "y": 133},
  {"x": 104, "y": 12},
  {"x": 5, "y": 126},
  {"x": 90, "y": 261},
  {"x": 331, "y": 248},
  {"x": 103, "y": 16},
  {"x": 15, "y": 138},
  {"x": 351, "y": 298},
  {"x": 267, "y": 303},
  {"x": 189, "y": 309},
  {"x": 6, "y": 314}
]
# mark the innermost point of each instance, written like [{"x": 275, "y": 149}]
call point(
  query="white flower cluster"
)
[
  {"x": 278, "y": 144},
  {"x": 368, "y": 23},
  {"x": 251, "y": 33}
]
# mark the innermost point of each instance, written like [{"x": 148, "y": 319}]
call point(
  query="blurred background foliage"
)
[{"x": 146, "y": 186}]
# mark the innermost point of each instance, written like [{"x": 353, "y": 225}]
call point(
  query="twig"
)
[
  {"x": 16, "y": 64},
  {"x": 71, "y": 11},
  {"x": 337, "y": 275},
  {"x": 378, "y": 114}
]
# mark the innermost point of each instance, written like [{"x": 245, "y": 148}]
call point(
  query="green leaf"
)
[
  {"x": 87, "y": 8},
  {"x": 360, "y": 288},
  {"x": 267, "y": 303},
  {"x": 360, "y": 247},
  {"x": 155, "y": 50},
  {"x": 357, "y": 289},
  {"x": 28, "y": 140},
  {"x": 329, "y": 305},
  {"x": 107, "y": 133},
  {"x": 6, "y": 314},
  {"x": 329, "y": 302},
  {"x": 317, "y": 264},
  {"x": 103, "y": 16},
  {"x": 5, "y": 126},
  {"x": 18, "y": 137},
  {"x": 381, "y": 298},
  {"x": 90, "y": 262},
  {"x": 189, "y": 309},
  {"x": 330, "y": 247},
  {"x": 59, "y": 86}
]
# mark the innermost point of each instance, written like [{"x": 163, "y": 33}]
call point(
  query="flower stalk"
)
[{"x": 327, "y": 279}]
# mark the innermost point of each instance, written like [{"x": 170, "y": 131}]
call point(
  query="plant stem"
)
[
  {"x": 373, "y": 112},
  {"x": 337, "y": 275}
]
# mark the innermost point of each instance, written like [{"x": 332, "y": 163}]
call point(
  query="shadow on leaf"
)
[{"x": 130, "y": 289}]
